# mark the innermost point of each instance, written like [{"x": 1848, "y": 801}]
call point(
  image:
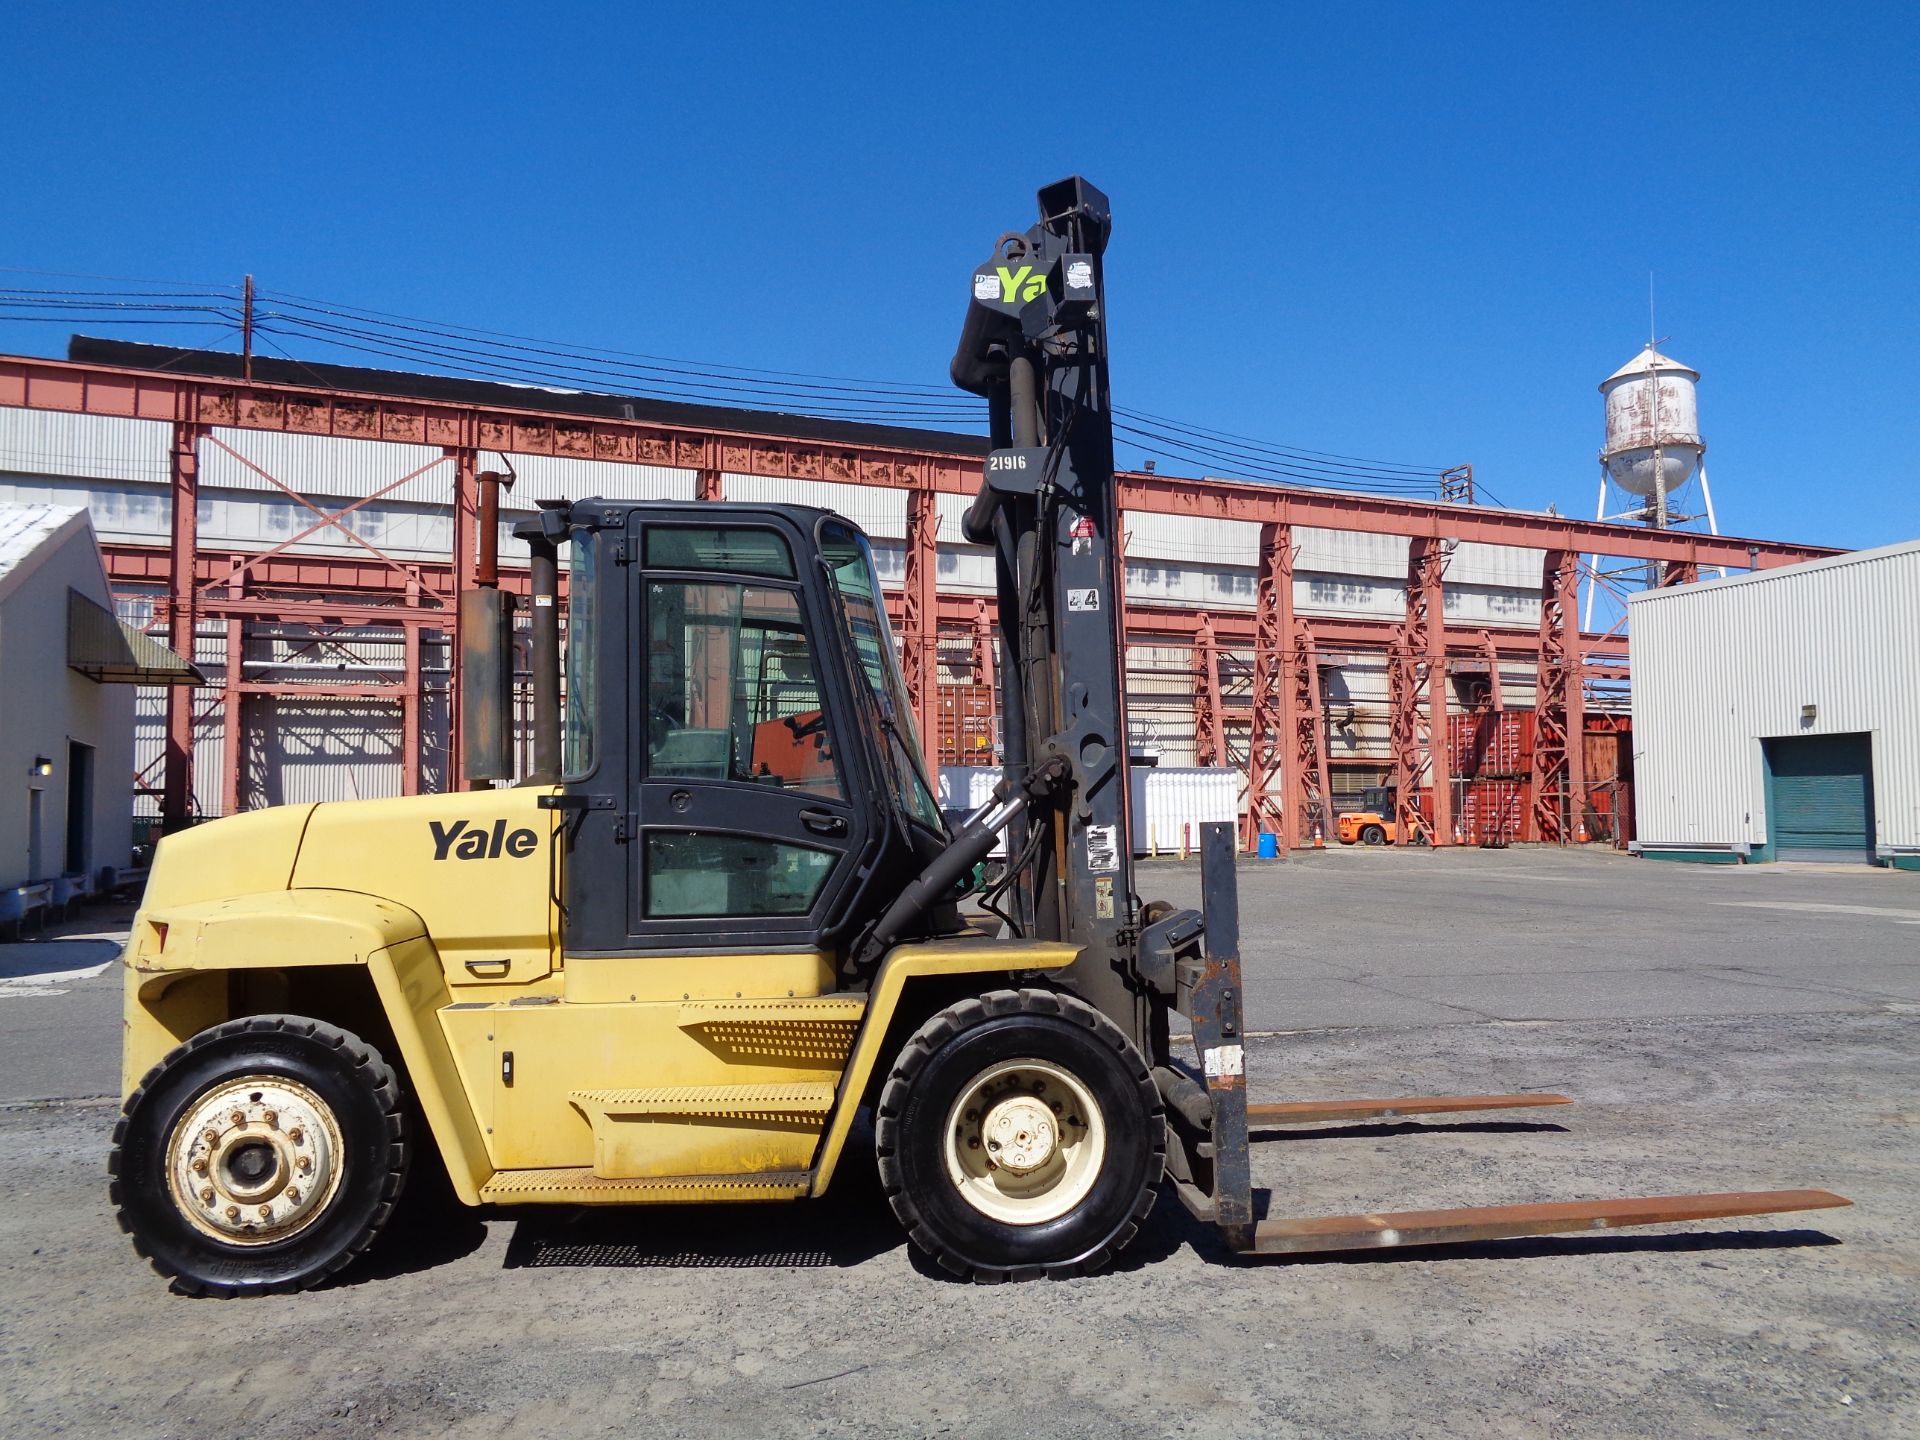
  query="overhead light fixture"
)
[{"x": 41, "y": 766}]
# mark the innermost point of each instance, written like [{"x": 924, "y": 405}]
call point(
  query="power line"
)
[
  {"x": 520, "y": 359},
  {"x": 1311, "y": 457}
]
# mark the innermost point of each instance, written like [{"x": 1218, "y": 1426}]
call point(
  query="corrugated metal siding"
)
[
  {"x": 1721, "y": 665},
  {"x": 315, "y": 750},
  {"x": 317, "y": 465},
  {"x": 1169, "y": 802},
  {"x": 881, "y": 513},
  {"x": 1151, "y": 536},
  {"x": 46, "y": 442},
  {"x": 556, "y": 477}
]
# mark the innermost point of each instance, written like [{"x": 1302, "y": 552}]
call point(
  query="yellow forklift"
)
[{"x": 724, "y": 914}]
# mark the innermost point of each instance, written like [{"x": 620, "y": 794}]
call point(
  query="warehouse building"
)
[
  {"x": 1776, "y": 716},
  {"x": 303, "y": 532}
]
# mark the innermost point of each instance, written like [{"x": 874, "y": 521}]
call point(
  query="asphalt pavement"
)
[
  {"x": 1330, "y": 939},
  {"x": 1360, "y": 936}
]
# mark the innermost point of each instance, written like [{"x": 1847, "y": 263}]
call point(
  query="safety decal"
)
[
  {"x": 1103, "y": 855},
  {"x": 1224, "y": 1060}
]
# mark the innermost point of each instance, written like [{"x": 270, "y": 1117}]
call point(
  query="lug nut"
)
[
  {"x": 303, "y": 1164},
  {"x": 974, "y": 1144},
  {"x": 212, "y": 1137},
  {"x": 293, "y": 1195},
  {"x": 239, "y": 1117},
  {"x": 200, "y": 1165},
  {"x": 297, "y": 1135},
  {"x": 273, "y": 1117},
  {"x": 266, "y": 1212},
  {"x": 233, "y": 1212},
  {"x": 206, "y": 1196}
]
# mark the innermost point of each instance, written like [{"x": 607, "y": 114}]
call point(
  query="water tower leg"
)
[
  {"x": 1593, "y": 576},
  {"x": 1706, "y": 493}
]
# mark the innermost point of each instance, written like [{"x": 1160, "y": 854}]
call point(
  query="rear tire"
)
[
  {"x": 1373, "y": 835},
  {"x": 1051, "y": 1087},
  {"x": 260, "y": 1157}
]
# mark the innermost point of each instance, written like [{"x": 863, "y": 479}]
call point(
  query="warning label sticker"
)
[
  {"x": 1083, "y": 599},
  {"x": 1103, "y": 855},
  {"x": 1224, "y": 1060}
]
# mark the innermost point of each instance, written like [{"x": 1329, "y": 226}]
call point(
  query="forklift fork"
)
[{"x": 1212, "y": 1169}]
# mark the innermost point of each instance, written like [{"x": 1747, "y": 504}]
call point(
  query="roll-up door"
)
[{"x": 1820, "y": 797}]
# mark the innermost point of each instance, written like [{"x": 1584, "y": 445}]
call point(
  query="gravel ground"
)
[
  {"x": 1722, "y": 1029},
  {"x": 819, "y": 1320}
]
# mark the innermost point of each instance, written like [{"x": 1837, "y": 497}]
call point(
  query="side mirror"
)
[{"x": 486, "y": 683}]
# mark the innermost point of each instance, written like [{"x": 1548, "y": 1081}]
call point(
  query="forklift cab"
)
[{"x": 738, "y": 757}]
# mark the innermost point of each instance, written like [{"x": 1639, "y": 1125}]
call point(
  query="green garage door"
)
[{"x": 1820, "y": 797}]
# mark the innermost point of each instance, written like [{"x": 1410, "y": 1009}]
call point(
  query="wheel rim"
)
[
  {"x": 1025, "y": 1142},
  {"x": 255, "y": 1159}
]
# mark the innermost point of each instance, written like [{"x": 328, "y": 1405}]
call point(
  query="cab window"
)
[{"x": 732, "y": 691}]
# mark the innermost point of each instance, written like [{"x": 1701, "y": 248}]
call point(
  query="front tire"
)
[
  {"x": 1020, "y": 1134},
  {"x": 1373, "y": 835},
  {"x": 260, "y": 1157}
]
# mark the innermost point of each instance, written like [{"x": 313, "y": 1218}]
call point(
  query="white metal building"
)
[
  {"x": 66, "y": 730},
  {"x": 1776, "y": 715}
]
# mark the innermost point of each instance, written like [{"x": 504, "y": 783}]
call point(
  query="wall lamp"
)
[{"x": 41, "y": 766}]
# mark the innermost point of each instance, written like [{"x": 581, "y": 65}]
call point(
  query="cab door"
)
[{"x": 742, "y": 781}]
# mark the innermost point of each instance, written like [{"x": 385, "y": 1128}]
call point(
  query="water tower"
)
[
  {"x": 1653, "y": 431},
  {"x": 1653, "y": 446}
]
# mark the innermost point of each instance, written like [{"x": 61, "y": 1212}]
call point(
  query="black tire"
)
[
  {"x": 1373, "y": 835},
  {"x": 943, "y": 1060},
  {"x": 362, "y": 1100}
]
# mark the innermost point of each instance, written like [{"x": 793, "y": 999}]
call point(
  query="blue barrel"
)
[{"x": 1269, "y": 845}]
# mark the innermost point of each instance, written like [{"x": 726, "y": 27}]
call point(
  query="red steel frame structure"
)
[{"x": 1287, "y": 787}]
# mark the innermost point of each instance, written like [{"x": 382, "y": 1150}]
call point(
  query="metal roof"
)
[
  {"x": 1777, "y": 572},
  {"x": 28, "y": 533},
  {"x": 1648, "y": 359},
  {"x": 112, "y": 652},
  {"x": 92, "y": 350},
  {"x": 25, "y": 528}
]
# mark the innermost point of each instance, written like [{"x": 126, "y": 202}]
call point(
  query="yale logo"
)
[
  {"x": 1023, "y": 284},
  {"x": 481, "y": 844}
]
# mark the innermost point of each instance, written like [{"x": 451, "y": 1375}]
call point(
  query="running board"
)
[
  {"x": 1320, "y": 1112},
  {"x": 1506, "y": 1222}
]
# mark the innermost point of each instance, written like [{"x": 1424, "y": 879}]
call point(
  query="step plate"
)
[
  {"x": 1505, "y": 1222},
  {"x": 582, "y": 1187},
  {"x": 1320, "y": 1112},
  {"x": 797, "y": 1098}
]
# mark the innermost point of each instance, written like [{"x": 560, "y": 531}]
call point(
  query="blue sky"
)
[{"x": 1414, "y": 232}]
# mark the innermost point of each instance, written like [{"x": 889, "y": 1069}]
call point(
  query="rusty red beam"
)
[
  {"x": 38, "y": 384},
  {"x": 60, "y": 385},
  {"x": 1378, "y": 515}
]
